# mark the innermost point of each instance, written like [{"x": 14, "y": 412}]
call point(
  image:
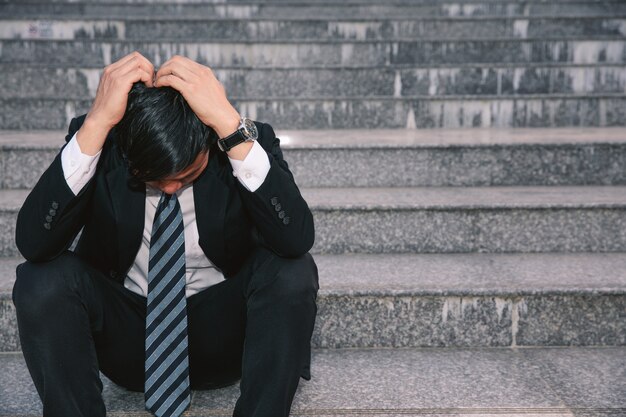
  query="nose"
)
[{"x": 170, "y": 187}]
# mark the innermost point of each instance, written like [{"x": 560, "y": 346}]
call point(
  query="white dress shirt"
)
[{"x": 79, "y": 168}]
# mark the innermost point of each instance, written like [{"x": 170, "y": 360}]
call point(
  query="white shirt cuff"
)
[
  {"x": 251, "y": 172},
  {"x": 78, "y": 168}
]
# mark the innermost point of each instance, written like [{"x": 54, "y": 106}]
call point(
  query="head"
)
[{"x": 163, "y": 141}]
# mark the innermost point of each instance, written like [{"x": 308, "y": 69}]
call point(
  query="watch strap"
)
[{"x": 232, "y": 140}]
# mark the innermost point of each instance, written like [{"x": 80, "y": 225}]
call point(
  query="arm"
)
[
  {"x": 289, "y": 234},
  {"x": 293, "y": 234},
  {"x": 52, "y": 214},
  {"x": 55, "y": 209}
]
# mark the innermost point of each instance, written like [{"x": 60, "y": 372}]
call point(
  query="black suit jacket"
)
[{"x": 110, "y": 208}]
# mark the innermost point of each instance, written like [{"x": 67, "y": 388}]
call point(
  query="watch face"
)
[{"x": 249, "y": 129}]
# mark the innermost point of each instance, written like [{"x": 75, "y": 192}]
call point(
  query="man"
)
[{"x": 192, "y": 269}]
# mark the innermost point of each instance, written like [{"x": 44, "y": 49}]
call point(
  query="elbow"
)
[
  {"x": 303, "y": 239},
  {"x": 30, "y": 243},
  {"x": 28, "y": 251},
  {"x": 308, "y": 237}
]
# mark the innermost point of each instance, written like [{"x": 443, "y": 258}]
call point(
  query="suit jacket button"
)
[
  {"x": 48, "y": 219},
  {"x": 112, "y": 274},
  {"x": 274, "y": 200},
  {"x": 52, "y": 212},
  {"x": 286, "y": 220},
  {"x": 281, "y": 214},
  {"x": 46, "y": 226},
  {"x": 277, "y": 207},
  {"x": 55, "y": 205}
]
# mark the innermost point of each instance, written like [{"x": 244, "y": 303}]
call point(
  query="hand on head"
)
[
  {"x": 197, "y": 83},
  {"x": 116, "y": 81},
  {"x": 202, "y": 90},
  {"x": 109, "y": 105}
]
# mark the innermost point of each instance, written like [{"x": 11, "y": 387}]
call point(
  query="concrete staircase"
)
[{"x": 471, "y": 264}]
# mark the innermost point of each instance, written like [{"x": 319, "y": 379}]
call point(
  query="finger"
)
[
  {"x": 138, "y": 64},
  {"x": 177, "y": 70},
  {"x": 179, "y": 66},
  {"x": 146, "y": 77},
  {"x": 179, "y": 60},
  {"x": 171, "y": 81},
  {"x": 146, "y": 64},
  {"x": 120, "y": 62},
  {"x": 137, "y": 74}
]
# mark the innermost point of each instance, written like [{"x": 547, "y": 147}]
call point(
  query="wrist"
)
[
  {"x": 240, "y": 151},
  {"x": 227, "y": 125},
  {"x": 91, "y": 136}
]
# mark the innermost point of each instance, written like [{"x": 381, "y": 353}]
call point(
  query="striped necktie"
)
[{"x": 167, "y": 392}]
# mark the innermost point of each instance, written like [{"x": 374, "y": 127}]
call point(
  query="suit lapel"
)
[
  {"x": 210, "y": 196},
  {"x": 129, "y": 207}
]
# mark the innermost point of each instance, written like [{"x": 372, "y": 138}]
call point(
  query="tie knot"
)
[{"x": 166, "y": 198}]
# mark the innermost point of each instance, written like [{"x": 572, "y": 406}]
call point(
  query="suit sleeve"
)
[
  {"x": 280, "y": 213},
  {"x": 52, "y": 215}
]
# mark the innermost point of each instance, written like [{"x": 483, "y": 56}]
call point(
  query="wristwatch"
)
[{"x": 246, "y": 132}]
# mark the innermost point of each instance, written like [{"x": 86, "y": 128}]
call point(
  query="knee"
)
[
  {"x": 296, "y": 279},
  {"x": 40, "y": 286}
]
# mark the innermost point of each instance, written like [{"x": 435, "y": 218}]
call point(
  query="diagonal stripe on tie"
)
[
  {"x": 161, "y": 220},
  {"x": 169, "y": 379},
  {"x": 162, "y": 327},
  {"x": 167, "y": 392},
  {"x": 163, "y": 279},
  {"x": 170, "y": 234},
  {"x": 159, "y": 356},
  {"x": 164, "y": 267},
  {"x": 165, "y": 340},
  {"x": 169, "y": 398},
  {"x": 173, "y": 323}
]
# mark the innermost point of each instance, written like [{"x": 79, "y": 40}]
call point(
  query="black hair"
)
[{"x": 159, "y": 135}]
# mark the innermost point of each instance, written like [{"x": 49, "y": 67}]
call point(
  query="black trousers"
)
[{"x": 74, "y": 322}]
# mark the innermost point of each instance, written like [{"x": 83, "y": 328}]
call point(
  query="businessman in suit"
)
[{"x": 192, "y": 269}]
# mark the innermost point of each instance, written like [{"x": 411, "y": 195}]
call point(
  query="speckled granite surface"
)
[
  {"x": 455, "y": 219},
  {"x": 319, "y": 29},
  {"x": 399, "y": 158},
  {"x": 381, "y": 138},
  {"x": 457, "y": 111},
  {"x": 442, "y": 382},
  {"x": 435, "y": 300},
  {"x": 493, "y": 165},
  {"x": 453, "y": 231},
  {"x": 7, "y": 232},
  {"x": 407, "y": 93},
  {"x": 295, "y": 53},
  {"x": 388, "y": 81},
  {"x": 269, "y": 10},
  {"x": 21, "y": 168}
]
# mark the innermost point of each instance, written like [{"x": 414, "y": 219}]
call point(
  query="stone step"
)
[
  {"x": 480, "y": 219},
  {"x": 175, "y": 28},
  {"x": 461, "y": 219},
  {"x": 448, "y": 300},
  {"x": 362, "y": 158},
  {"x": 98, "y": 53},
  {"x": 558, "y": 382},
  {"x": 39, "y": 82},
  {"x": 307, "y": 10},
  {"x": 325, "y": 3},
  {"x": 444, "y": 219},
  {"x": 454, "y": 111}
]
